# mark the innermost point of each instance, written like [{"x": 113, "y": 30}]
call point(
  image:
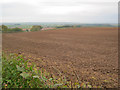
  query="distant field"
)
[
  {"x": 20, "y": 26},
  {"x": 29, "y": 25},
  {"x": 91, "y": 53}
]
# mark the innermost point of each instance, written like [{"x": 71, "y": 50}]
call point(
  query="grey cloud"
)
[{"x": 93, "y": 12}]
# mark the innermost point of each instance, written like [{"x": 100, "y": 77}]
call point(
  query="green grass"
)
[{"x": 17, "y": 73}]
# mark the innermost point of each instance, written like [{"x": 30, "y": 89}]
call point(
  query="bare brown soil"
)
[{"x": 91, "y": 53}]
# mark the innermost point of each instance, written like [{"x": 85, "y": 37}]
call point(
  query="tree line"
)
[{"x": 4, "y": 28}]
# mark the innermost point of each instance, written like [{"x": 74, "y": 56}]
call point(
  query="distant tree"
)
[
  {"x": 16, "y": 29},
  {"x": 36, "y": 28},
  {"x": 4, "y": 28},
  {"x": 65, "y": 26},
  {"x": 27, "y": 30},
  {"x": 8, "y": 30},
  {"x": 0, "y": 28}
]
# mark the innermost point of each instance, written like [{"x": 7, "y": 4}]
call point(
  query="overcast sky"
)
[{"x": 82, "y": 11}]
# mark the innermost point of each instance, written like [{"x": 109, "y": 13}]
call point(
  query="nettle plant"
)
[{"x": 16, "y": 73}]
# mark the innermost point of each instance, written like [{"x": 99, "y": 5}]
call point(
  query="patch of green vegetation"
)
[
  {"x": 5, "y": 29},
  {"x": 36, "y": 28},
  {"x": 65, "y": 26},
  {"x": 17, "y": 73}
]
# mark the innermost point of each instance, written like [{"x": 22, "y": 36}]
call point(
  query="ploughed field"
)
[{"x": 89, "y": 54}]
